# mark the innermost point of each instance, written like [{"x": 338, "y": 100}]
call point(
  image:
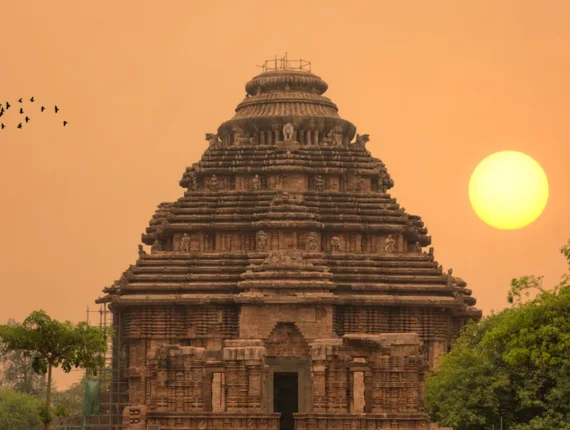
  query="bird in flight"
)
[
  {"x": 20, "y": 100},
  {"x": 65, "y": 123},
  {"x": 56, "y": 109},
  {"x": 27, "y": 119},
  {"x": 43, "y": 108},
  {"x": 32, "y": 99},
  {"x": 21, "y": 110},
  {"x": 7, "y": 105},
  {"x": 20, "y": 125},
  {"x": 3, "y": 126},
  {"x": 1, "y": 111}
]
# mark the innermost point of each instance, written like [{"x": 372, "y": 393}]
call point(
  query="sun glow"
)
[{"x": 508, "y": 190}]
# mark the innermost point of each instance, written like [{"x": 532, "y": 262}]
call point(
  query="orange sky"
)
[{"x": 438, "y": 85}]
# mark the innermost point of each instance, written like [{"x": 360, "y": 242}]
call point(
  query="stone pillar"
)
[
  {"x": 244, "y": 361},
  {"x": 269, "y": 140},
  {"x": 276, "y": 135},
  {"x": 308, "y": 137},
  {"x": 218, "y": 392},
  {"x": 262, "y": 137},
  {"x": 324, "y": 355},
  {"x": 357, "y": 400},
  {"x": 315, "y": 137}
]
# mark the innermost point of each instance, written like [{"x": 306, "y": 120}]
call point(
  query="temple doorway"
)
[{"x": 286, "y": 398}]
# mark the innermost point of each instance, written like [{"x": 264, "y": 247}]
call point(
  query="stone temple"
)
[{"x": 286, "y": 288}]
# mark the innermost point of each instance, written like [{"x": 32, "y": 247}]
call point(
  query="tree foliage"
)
[
  {"x": 19, "y": 411},
  {"x": 50, "y": 343},
  {"x": 514, "y": 364},
  {"x": 16, "y": 372}
]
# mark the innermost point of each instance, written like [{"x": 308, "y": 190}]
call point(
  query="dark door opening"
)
[{"x": 285, "y": 398}]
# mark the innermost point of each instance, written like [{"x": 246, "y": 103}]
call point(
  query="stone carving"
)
[
  {"x": 390, "y": 243},
  {"x": 261, "y": 241},
  {"x": 185, "y": 243},
  {"x": 319, "y": 183},
  {"x": 193, "y": 181},
  {"x": 240, "y": 136},
  {"x": 418, "y": 248},
  {"x": 142, "y": 252},
  {"x": 335, "y": 244},
  {"x": 313, "y": 245},
  {"x": 337, "y": 135},
  {"x": 431, "y": 250},
  {"x": 256, "y": 183},
  {"x": 359, "y": 184},
  {"x": 449, "y": 278},
  {"x": 213, "y": 139},
  {"x": 282, "y": 258},
  {"x": 328, "y": 139},
  {"x": 214, "y": 183},
  {"x": 156, "y": 246},
  {"x": 288, "y": 131},
  {"x": 361, "y": 140}
]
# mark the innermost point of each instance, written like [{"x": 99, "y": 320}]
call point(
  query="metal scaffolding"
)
[
  {"x": 113, "y": 386},
  {"x": 284, "y": 63}
]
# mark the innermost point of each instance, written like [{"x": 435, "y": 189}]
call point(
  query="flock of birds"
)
[{"x": 4, "y": 108}]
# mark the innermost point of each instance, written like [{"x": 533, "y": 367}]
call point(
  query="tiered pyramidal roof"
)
[{"x": 287, "y": 174}]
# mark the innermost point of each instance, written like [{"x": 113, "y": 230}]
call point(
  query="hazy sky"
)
[{"x": 438, "y": 85}]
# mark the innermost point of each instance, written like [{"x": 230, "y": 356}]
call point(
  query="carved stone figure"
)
[
  {"x": 142, "y": 252},
  {"x": 361, "y": 140},
  {"x": 390, "y": 243},
  {"x": 449, "y": 278},
  {"x": 288, "y": 131},
  {"x": 328, "y": 139},
  {"x": 256, "y": 183},
  {"x": 418, "y": 248},
  {"x": 261, "y": 241},
  {"x": 156, "y": 246},
  {"x": 337, "y": 135},
  {"x": 214, "y": 184},
  {"x": 212, "y": 138},
  {"x": 313, "y": 245},
  {"x": 359, "y": 184},
  {"x": 240, "y": 136},
  {"x": 335, "y": 244},
  {"x": 431, "y": 250},
  {"x": 193, "y": 181},
  {"x": 185, "y": 243},
  {"x": 319, "y": 183}
]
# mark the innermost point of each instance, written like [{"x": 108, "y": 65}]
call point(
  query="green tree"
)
[
  {"x": 17, "y": 372},
  {"x": 514, "y": 364},
  {"x": 19, "y": 411},
  {"x": 50, "y": 343}
]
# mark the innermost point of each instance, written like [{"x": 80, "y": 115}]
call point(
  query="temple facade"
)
[{"x": 286, "y": 288}]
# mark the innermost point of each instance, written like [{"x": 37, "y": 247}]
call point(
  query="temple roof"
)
[{"x": 238, "y": 189}]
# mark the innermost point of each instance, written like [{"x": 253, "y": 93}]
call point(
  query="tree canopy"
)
[
  {"x": 514, "y": 364},
  {"x": 19, "y": 411},
  {"x": 50, "y": 343}
]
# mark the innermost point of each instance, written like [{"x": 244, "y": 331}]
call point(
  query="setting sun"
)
[{"x": 508, "y": 190}]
